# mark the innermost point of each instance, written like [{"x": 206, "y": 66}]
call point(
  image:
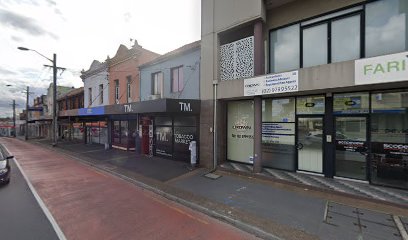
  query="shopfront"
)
[
  {"x": 124, "y": 130},
  {"x": 370, "y": 140},
  {"x": 163, "y": 127}
]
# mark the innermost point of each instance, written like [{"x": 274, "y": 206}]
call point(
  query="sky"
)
[{"x": 80, "y": 31}]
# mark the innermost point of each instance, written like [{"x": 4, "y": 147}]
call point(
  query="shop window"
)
[
  {"x": 279, "y": 110},
  {"x": 116, "y": 132},
  {"x": 185, "y": 121},
  {"x": 351, "y": 103},
  {"x": 240, "y": 132},
  {"x": 182, "y": 138},
  {"x": 124, "y": 133},
  {"x": 164, "y": 136},
  {"x": 163, "y": 121},
  {"x": 389, "y": 138},
  {"x": 386, "y": 27},
  {"x": 284, "y": 50},
  {"x": 310, "y": 105},
  {"x": 278, "y": 133}
]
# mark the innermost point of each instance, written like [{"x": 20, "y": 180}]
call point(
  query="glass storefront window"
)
[
  {"x": 278, "y": 133},
  {"x": 351, "y": 103},
  {"x": 310, "y": 105},
  {"x": 278, "y": 110},
  {"x": 164, "y": 137},
  {"x": 389, "y": 138},
  {"x": 386, "y": 27},
  {"x": 284, "y": 49},
  {"x": 124, "y": 133},
  {"x": 182, "y": 138},
  {"x": 116, "y": 132},
  {"x": 240, "y": 132}
]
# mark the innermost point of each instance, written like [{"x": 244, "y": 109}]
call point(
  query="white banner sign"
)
[
  {"x": 389, "y": 68},
  {"x": 272, "y": 83}
]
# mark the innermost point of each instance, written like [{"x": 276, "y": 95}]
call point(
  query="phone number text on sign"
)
[{"x": 273, "y": 83}]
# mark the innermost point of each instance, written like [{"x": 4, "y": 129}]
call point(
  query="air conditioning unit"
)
[{"x": 154, "y": 97}]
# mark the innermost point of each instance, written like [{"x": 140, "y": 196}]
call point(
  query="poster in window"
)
[{"x": 164, "y": 136}]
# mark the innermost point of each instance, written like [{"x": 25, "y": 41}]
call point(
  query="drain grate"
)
[{"x": 212, "y": 176}]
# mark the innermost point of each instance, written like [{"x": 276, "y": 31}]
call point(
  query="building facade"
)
[
  {"x": 96, "y": 85},
  {"x": 319, "y": 87},
  {"x": 174, "y": 78}
]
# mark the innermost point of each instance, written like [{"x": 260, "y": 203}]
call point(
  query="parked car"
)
[{"x": 5, "y": 169}]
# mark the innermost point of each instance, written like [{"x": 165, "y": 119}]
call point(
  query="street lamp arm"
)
[{"x": 28, "y": 49}]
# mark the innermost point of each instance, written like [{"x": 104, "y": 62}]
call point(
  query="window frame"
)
[
  {"x": 100, "y": 93},
  {"x": 329, "y": 33},
  {"x": 116, "y": 91},
  {"x": 128, "y": 87},
  {"x": 90, "y": 96},
  {"x": 362, "y": 29},
  {"x": 178, "y": 68},
  {"x": 155, "y": 83}
]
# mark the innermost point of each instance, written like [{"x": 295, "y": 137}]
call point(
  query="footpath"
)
[{"x": 267, "y": 207}]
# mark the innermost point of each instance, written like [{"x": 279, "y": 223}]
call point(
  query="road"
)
[
  {"x": 88, "y": 204},
  {"x": 20, "y": 215}
]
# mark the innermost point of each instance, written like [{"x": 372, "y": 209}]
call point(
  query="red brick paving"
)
[{"x": 88, "y": 204}]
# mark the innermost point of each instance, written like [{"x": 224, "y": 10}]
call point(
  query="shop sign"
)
[
  {"x": 91, "y": 111},
  {"x": 390, "y": 148},
  {"x": 388, "y": 68},
  {"x": 350, "y": 146},
  {"x": 272, "y": 83},
  {"x": 278, "y": 133}
]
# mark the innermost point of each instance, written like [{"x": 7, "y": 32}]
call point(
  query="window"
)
[
  {"x": 315, "y": 45},
  {"x": 350, "y": 103},
  {"x": 117, "y": 91},
  {"x": 129, "y": 81},
  {"x": 334, "y": 40},
  {"x": 90, "y": 96},
  {"x": 284, "y": 49},
  {"x": 386, "y": 28},
  {"x": 157, "y": 79},
  {"x": 101, "y": 93},
  {"x": 346, "y": 39},
  {"x": 177, "y": 81}
]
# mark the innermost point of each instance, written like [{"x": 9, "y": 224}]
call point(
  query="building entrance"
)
[{"x": 310, "y": 144}]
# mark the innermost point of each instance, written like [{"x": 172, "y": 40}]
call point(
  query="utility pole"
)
[
  {"x": 26, "y": 123},
  {"x": 54, "y": 99},
  {"x": 14, "y": 118},
  {"x": 54, "y": 95}
]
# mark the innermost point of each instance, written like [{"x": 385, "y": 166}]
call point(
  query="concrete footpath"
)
[{"x": 270, "y": 209}]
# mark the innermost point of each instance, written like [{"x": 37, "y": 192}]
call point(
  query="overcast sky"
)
[{"x": 79, "y": 31}]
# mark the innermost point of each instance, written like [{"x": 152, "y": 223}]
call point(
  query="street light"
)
[{"x": 54, "y": 93}]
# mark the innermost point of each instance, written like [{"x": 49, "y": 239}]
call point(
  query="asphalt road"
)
[
  {"x": 20, "y": 215},
  {"x": 88, "y": 204}
]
